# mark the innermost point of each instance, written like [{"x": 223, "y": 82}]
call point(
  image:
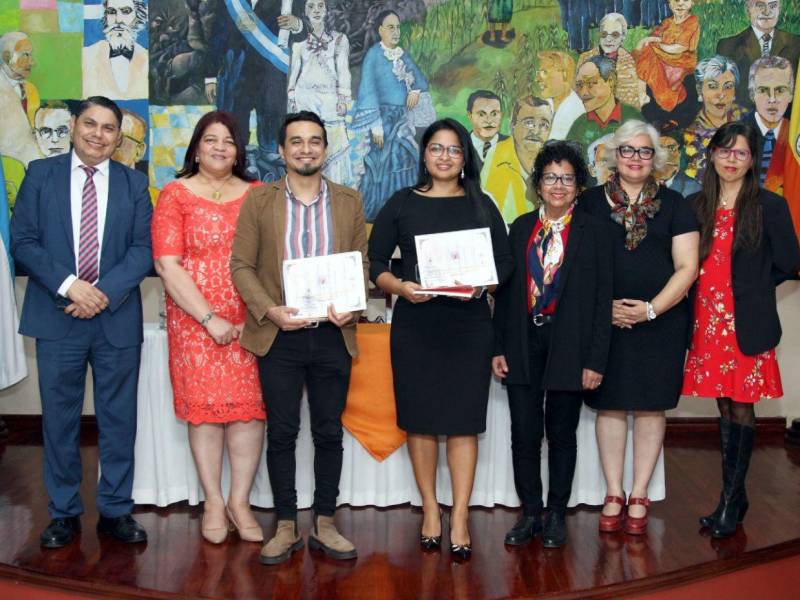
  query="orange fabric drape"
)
[{"x": 370, "y": 415}]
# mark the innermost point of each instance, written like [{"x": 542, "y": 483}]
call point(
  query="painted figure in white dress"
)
[{"x": 319, "y": 81}]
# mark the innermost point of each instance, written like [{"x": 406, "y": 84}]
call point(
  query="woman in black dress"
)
[
  {"x": 655, "y": 250},
  {"x": 552, "y": 331},
  {"x": 441, "y": 347}
]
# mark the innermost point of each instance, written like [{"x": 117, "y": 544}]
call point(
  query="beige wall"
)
[{"x": 23, "y": 398}]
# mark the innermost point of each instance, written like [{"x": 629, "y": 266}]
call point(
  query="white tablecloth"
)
[{"x": 165, "y": 471}]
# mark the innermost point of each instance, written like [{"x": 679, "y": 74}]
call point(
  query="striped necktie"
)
[
  {"x": 486, "y": 147},
  {"x": 765, "y": 44},
  {"x": 89, "y": 245},
  {"x": 766, "y": 154}
]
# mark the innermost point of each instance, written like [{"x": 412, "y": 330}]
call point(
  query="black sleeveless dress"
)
[{"x": 441, "y": 349}]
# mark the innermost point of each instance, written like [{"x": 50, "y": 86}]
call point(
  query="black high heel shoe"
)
[
  {"x": 462, "y": 551},
  {"x": 432, "y": 542}
]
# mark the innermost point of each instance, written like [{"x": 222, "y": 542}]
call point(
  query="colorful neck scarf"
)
[
  {"x": 545, "y": 257},
  {"x": 632, "y": 215}
]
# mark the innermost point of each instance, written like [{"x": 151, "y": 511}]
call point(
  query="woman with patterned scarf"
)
[
  {"x": 552, "y": 331},
  {"x": 655, "y": 253}
]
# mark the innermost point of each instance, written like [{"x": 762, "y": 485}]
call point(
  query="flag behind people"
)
[
  {"x": 791, "y": 176},
  {"x": 12, "y": 354}
]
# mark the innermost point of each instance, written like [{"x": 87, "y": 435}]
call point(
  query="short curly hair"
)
[{"x": 556, "y": 151}]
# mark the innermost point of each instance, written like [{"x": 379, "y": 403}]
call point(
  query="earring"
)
[
  {"x": 197, "y": 159},
  {"x": 462, "y": 172}
]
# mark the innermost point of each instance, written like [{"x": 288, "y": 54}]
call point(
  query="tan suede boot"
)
[
  {"x": 324, "y": 536},
  {"x": 282, "y": 545}
]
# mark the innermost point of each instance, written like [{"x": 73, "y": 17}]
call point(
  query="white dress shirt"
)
[
  {"x": 120, "y": 68},
  {"x": 568, "y": 111},
  {"x": 759, "y": 35},
  {"x": 477, "y": 143},
  {"x": 16, "y": 84},
  {"x": 77, "y": 179},
  {"x": 764, "y": 129}
]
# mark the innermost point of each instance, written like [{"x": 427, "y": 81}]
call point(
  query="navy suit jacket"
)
[{"x": 42, "y": 242}]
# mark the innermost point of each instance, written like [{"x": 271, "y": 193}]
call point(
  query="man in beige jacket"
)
[{"x": 301, "y": 215}]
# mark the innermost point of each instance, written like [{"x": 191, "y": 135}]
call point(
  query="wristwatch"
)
[
  {"x": 651, "y": 312},
  {"x": 206, "y": 318}
]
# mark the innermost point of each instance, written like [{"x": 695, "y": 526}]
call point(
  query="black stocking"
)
[{"x": 741, "y": 413}]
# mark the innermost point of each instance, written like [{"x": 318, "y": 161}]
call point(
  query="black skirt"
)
[{"x": 441, "y": 363}]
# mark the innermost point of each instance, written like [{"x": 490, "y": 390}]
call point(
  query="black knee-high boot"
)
[
  {"x": 724, "y": 435},
  {"x": 734, "y": 498}
]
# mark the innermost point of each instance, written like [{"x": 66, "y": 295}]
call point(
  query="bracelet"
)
[
  {"x": 651, "y": 312},
  {"x": 206, "y": 318}
]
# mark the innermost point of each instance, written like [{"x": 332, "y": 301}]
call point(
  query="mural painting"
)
[{"x": 516, "y": 73}]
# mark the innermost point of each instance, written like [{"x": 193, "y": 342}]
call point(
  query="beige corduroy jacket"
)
[{"x": 258, "y": 248}]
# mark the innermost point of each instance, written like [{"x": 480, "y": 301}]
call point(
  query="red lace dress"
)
[
  {"x": 210, "y": 383},
  {"x": 715, "y": 367}
]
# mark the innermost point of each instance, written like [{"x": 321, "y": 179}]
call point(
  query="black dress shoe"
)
[
  {"x": 60, "y": 532},
  {"x": 554, "y": 532},
  {"x": 523, "y": 531},
  {"x": 124, "y": 528}
]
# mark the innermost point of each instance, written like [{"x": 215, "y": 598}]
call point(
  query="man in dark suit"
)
[
  {"x": 81, "y": 230},
  {"x": 294, "y": 352},
  {"x": 485, "y": 112},
  {"x": 771, "y": 86},
  {"x": 249, "y": 66},
  {"x": 762, "y": 38}
]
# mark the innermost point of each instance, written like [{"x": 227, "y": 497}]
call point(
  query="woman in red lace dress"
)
[
  {"x": 747, "y": 247},
  {"x": 214, "y": 380}
]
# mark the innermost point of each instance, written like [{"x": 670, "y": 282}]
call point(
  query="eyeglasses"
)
[
  {"x": 612, "y": 34},
  {"x": 567, "y": 180},
  {"x": 534, "y": 123},
  {"x": 645, "y": 152},
  {"x": 740, "y": 155},
  {"x": 452, "y": 151},
  {"x": 58, "y": 132}
]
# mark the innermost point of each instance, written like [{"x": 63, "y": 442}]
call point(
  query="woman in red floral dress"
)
[
  {"x": 747, "y": 247},
  {"x": 214, "y": 380}
]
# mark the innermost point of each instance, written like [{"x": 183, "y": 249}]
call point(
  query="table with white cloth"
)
[{"x": 165, "y": 471}]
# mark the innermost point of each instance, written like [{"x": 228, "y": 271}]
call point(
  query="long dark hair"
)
[
  {"x": 747, "y": 230},
  {"x": 190, "y": 164},
  {"x": 471, "y": 180}
]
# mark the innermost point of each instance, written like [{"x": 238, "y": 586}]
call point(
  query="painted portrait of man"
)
[
  {"x": 762, "y": 38},
  {"x": 117, "y": 66},
  {"x": 771, "y": 86},
  {"x": 485, "y": 113},
  {"x": 19, "y": 98},
  {"x": 51, "y": 126},
  {"x": 133, "y": 147}
]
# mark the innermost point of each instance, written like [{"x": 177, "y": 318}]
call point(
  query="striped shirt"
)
[{"x": 309, "y": 229}]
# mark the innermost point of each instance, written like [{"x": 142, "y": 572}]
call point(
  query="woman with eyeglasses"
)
[
  {"x": 552, "y": 331},
  {"x": 655, "y": 243},
  {"x": 747, "y": 247},
  {"x": 441, "y": 347}
]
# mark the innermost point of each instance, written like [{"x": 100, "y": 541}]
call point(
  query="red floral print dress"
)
[
  {"x": 210, "y": 383},
  {"x": 715, "y": 367}
]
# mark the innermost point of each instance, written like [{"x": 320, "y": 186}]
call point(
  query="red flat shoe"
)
[
  {"x": 610, "y": 524},
  {"x": 637, "y": 525}
]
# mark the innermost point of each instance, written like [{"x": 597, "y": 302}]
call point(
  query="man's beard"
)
[
  {"x": 309, "y": 170},
  {"x": 119, "y": 36}
]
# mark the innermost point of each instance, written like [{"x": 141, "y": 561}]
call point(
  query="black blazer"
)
[
  {"x": 581, "y": 330},
  {"x": 757, "y": 272}
]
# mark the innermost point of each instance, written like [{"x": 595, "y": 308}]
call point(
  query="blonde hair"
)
[
  {"x": 561, "y": 60},
  {"x": 629, "y": 130}
]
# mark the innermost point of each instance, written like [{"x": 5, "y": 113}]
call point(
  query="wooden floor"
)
[{"x": 177, "y": 563}]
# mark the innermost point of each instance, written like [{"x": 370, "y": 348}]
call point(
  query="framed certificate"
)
[
  {"x": 312, "y": 284},
  {"x": 456, "y": 258}
]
